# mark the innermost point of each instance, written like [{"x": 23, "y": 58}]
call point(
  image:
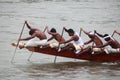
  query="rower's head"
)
[
  {"x": 107, "y": 37},
  {"x": 70, "y": 32},
  {"x": 91, "y": 34},
  {"x": 53, "y": 30},
  {"x": 31, "y": 32}
]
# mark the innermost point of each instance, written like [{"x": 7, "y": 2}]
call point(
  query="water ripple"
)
[{"x": 37, "y": 1}]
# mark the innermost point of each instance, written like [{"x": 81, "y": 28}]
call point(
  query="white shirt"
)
[{"x": 79, "y": 41}]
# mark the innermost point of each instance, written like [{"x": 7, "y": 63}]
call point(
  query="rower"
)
[
  {"x": 110, "y": 41},
  {"x": 78, "y": 43},
  {"x": 34, "y": 32},
  {"x": 55, "y": 36},
  {"x": 93, "y": 38}
]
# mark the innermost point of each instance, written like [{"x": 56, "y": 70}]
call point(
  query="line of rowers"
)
[{"x": 77, "y": 45}]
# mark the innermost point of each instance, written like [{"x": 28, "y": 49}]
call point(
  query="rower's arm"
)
[
  {"x": 28, "y": 38},
  {"x": 50, "y": 38},
  {"x": 67, "y": 41},
  {"x": 85, "y": 32},
  {"x": 29, "y": 27},
  {"x": 50, "y": 32},
  {"x": 99, "y": 34},
  {"x": 117, "y": 32},
  {"x": 65, "y": 29},
  {"x": 106, "y": 44},
  {"x": 88, "y": 42}
]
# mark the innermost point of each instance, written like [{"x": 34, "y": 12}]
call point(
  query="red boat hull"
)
[{"x": 101, "y": 57}]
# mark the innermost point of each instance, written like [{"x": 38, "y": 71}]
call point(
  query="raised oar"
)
[
  {"x": 80, "y": 32},
  {"x": 32, "y": 51},
  {"x": 93, "y": 42},
  {"x": 93, "y": 39},
  {"x": 44, "y": 29},
  {"x": 113, "y": 33},
  {"x": 59, "y": 45},
  {"x": 17, "y": 43}
]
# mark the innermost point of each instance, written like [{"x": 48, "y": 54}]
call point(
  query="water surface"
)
[{"x": 102, "y": 15}]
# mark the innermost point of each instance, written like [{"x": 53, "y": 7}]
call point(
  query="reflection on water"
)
[
  {"x": 36, "y": 1},
  {"x": 71, "y": 70}
]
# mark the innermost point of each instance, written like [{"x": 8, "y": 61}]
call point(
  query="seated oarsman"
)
[
  {"x": 93, "y": 39},
  {"x": 55, "y": 36},
  {"x": 110, "y": 41},
  {"x": 78, "y": 43},
  {"x": 117, "y": 32},
  {"x": 30, "y": 42}
]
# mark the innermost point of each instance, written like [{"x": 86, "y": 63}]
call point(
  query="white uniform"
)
[
  {"x": 80, "y": 41},
  {"x": 33, "y": 43},
  {"x": 78, "y": 44},
  {"x": 56, "y": 44}
]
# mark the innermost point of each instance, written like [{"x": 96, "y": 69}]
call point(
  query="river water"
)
[{"x": 100, "y": 15}]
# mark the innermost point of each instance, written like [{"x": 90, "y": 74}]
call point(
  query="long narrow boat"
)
[{"x": 97, "y": 57}]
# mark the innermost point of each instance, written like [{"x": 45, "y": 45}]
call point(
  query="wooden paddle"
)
[
  {"x": 93, "y": 38},
  {"x": 18, "y": 42},
  {"x": 113, "y": 33},
  {"x": 80, "y": 32},
  {"x": 45, "y": 29},
  {"x": 59, "y": 45}
]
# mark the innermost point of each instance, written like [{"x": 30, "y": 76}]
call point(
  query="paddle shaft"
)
[
  {"x": 93, "y": 39},
  {"x": 80, "y": 32},
  {"x": 59, "y": 45},
  {"x": 18, "y": 42},
  {"x": 45, "y": 29},
  {"x": 113, "y": 33}
]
